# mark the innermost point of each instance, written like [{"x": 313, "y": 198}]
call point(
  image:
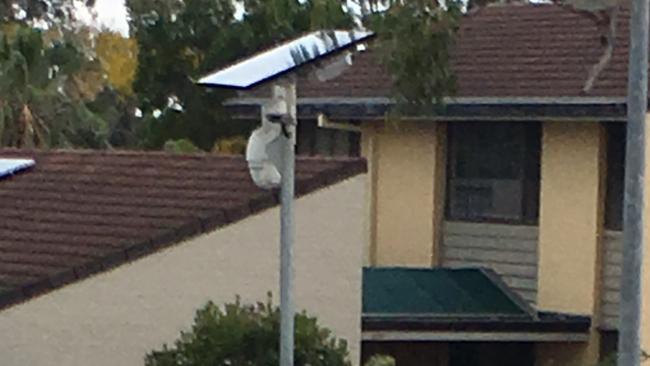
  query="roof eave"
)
[
  {"x": 486, "y": 336},
  {"x": 477, "y": 323},
  {"x": 484, "y": 109}
]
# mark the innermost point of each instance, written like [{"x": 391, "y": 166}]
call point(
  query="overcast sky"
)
[{"x": 111, "y": 14}]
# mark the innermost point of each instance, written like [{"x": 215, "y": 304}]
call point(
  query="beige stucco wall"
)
[
  {"x": 405, "y": 162},
  {"x": 115, "y": 318},
  {"x": 570, "y": 222}
]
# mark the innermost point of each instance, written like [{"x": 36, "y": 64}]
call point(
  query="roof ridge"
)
[
  {"x": 160, "y": 153},
  {"x": 116, "y": 152}
]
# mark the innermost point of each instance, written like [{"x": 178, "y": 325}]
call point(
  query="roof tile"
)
[
  {"x": 534, "y": 50},
  {"x": 78, "y": 213}
]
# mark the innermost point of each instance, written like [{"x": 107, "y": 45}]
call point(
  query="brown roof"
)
[
  {"x": 533, "y": 50},
  {"x": 78, "y": 213}
]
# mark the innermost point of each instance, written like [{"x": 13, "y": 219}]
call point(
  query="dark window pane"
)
[
  {"x": 306, "y": 137},
  {"x": 341, "y": 143},
  {"x": 313, "y": 140},
  {"x": 615, "y": 176},
  {"x": 494, "y": 171},
  {"x": 324, "y": 141},
  {"x": 608, "y": 346},
  {"x": 532, "y": 172},
  {"x": 489, "y": 151},
  {"x": 355, "y": 144}
]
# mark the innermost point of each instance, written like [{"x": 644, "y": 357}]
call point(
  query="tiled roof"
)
[
  {"x": 79, "y": 213},
  {"x": 534, "y": 50}
]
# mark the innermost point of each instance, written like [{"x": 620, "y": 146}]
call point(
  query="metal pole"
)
[
  {"x": 287, "y": 230},
  {"x": 637, "y": 105}
]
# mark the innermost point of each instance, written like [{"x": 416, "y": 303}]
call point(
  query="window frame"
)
[
  {"x": 613, "y": 221},
  {"x": 527, "y": 172}
]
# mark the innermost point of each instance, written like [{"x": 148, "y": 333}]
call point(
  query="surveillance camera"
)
[
  {"x": 279, "y": 118},
  {"x": 275, "y": 117},
  {"x": 263, "y": 158}
]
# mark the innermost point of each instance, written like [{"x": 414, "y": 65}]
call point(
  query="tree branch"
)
[
  {"x": 605, "y": 58},
  {"x": 604, "y": 13}
]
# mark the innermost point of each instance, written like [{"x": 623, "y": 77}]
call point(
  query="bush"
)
[
  {"x": 239, "y": 335},
  {"x": 182, "y": 146},
  {"x": 380, "y": 360},
  {"x": 233, "y": 146}
]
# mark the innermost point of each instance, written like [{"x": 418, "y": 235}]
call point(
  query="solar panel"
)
[
  {"x": 284, "y": 58},
  {"x": 12, "y": 166}
]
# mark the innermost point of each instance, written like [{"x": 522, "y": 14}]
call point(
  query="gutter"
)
[
  {"x": 487, "y": 327},
  {"x": 465, "y": 109},
  {"x": 390, "y": 336},
  {"x": 324, "y": 122}
]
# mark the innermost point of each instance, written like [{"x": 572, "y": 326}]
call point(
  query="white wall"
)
[{"x": 115, "y": 318}]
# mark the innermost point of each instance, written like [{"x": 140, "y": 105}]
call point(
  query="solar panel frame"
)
[
  {"x": 355, "y": 37},
  {"x": 9, "y": 167}
]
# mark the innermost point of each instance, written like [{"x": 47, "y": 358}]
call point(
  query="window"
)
[
  {"x": 494, "y": 171},
  {"x": 608, "y": 345},
  {"x": 313, "y": 140},
  {"x": 615, "y": 176}
]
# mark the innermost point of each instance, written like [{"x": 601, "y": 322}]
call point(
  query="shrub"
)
[
  {"x": 182, "y": 146},
  {"x": 233, "y": 146},
  {"x": 240, "y": 335},
  {"x": 380, "y": 360}
]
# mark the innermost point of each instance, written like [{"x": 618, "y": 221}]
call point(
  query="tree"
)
[
  {"x": 604, "y": 13},
  {"x": 44, "y": 89},
  {"x": 182, "y": 40},
  {"x": 119, "y": 59},
  {"x": 60, "y": 85},
  {"x": 38, "y": 11},
  {"x": 415, "y": 38},
  {"x": 249, "y": 335},
  {"x": 174, "y": 37}
]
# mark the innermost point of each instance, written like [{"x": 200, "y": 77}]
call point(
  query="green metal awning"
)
[
  {"x": 444, "y": 304},
  {"x": 438, "y": 292}
]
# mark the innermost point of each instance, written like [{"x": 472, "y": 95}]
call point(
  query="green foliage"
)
[
  {"x": 239, "y": 334},
  {"x": 65, "y": 87},
  {"x": 43, "y": 92},
  {"x": 416, "y": 38},
  {"x": 119, "y": 59},
  {"x": 117, "y": 110},
  {"x": 379, "y": 360},
  {"x": 233, "y": 146},
  {"x": 184, "y": 146},
  {"x": 182, "y": 40},
  {"x": 49, "y": 11}
]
